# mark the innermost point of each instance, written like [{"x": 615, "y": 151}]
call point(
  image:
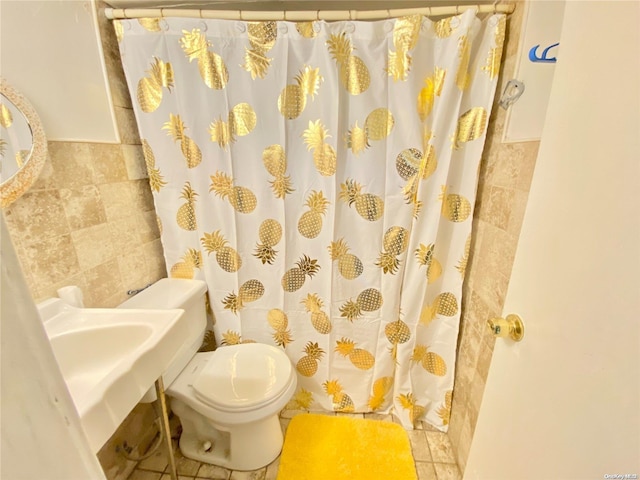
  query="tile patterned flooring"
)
[{"x": 432, "y": 452}]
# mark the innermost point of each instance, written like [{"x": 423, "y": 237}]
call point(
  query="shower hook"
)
[{"x": 512, "y": 92}]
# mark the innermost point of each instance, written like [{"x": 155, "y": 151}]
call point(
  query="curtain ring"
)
[
  {"x": 350, "y": 15},
  {"x": 124, "y": 13},
  {"x": 429, "y": 14},
  {"x": 240, "y": 14},
  {"x": 495, "y": 7},
  {"x": 317, "y": 15},
  {"x": 388, "y": 14},
  {"x": 284, "y": 15},
  {"x": 457, "y": 9},
  {"x": 200, "y": 13},
  {"x": 161, "y": 13}
]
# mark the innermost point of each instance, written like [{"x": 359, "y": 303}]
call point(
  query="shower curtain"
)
[{"x": 321, "y": 177}]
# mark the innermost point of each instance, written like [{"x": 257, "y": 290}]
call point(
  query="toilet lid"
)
[{"x": 243, "y": 376}]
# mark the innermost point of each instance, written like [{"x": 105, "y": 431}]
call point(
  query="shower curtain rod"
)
[{"x": 303, "y": 16}]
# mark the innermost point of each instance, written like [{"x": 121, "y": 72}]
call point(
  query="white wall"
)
[{"x": 50, "y": 52}]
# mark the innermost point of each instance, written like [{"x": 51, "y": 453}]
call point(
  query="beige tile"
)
[
  {"x": 134, "y": 162},
  {"x": 108, "y": 163},
  {"x": 115, "y": 300},
  {"x": 528, "y": 165},
  {"x": 117, "y": 199},
  {"x": 167, "y": 476},
  {"x": 484, "y": 361},
  {"x": 156, "y": 462},
  {"x": 419, "y": 445},
  {"x": 133, "y": 269},
  {"x": 493, "y": 289},
  {"x": 447, "y": 471},
  {"x": 499, "y": 208},
  {"x": 475, "y": 400},
  {"x": 186, "y": 466},
  {"x": 125, "y": 233},
  {"x": 149, "y": 227},
  {"x": 45, "y": 179},
  {"x": 154, "y": 254},
  {"x": 103, "y": 282},
  {"x": 83, "y": 206},
  {"x": 426, "y": 471},
  {"x": 292, "y": 413},
  {"x": 440, "y": 447},
  {"x": 255, "y": 475},
  {"x": 141, "y": 195},
  {"x": 51, "y": 260},
  {"x": 213, "y": 472},
  {"x": 272, "y": 470},
  {"x": 284, "y": 424},
  {"x": 49, "y": 291},
  {"x": 71, "y": 163},
  {"x": 93, "y": 246},
  {"x": 127, "y": 126},
  {"x": 426, "y": 426},
  {"x": 464, "y": 445},
  {"x": 383, "y": 417},
  {"x": 35, "y": 216},
  {"x": 144, "y": 475},
  {"x": 517, "y": 213},
  {"x": 456, "y": 420}
]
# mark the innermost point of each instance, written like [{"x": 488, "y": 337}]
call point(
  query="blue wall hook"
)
[{"x": 543, "y": 58}]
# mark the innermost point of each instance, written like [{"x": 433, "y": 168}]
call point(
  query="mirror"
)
[{"x": 23, "y": 145}]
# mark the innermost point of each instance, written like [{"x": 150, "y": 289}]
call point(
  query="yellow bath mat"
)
[{"x": 322, "y": 447}]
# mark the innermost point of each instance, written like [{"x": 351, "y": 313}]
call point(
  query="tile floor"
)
[{"x": 432, "y": 453}]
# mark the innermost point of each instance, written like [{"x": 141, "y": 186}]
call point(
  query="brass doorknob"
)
[{"x": 511, "y": 327}]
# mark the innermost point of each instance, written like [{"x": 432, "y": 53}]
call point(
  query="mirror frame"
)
[{"x": 14, "y": 187}]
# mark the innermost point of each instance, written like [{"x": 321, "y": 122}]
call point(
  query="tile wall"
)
[{"x": 505, "y": 178}]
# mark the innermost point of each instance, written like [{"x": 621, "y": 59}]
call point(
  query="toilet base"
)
[{"x": 239, "y": 447}]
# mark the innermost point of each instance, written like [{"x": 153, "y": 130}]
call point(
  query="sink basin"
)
[{"x": 110, "y": 357}]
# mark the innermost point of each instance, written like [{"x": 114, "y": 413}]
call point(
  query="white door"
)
[{"x": 564, "y": 403}]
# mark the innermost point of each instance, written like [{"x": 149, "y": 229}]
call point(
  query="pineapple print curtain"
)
[{"x": 321, "y": 178}]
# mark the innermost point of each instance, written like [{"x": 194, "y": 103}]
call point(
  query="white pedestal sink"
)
[{"x": 110, "y": 357}]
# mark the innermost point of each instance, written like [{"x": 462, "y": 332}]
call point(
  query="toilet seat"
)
[{"x": 239, "y": 378}]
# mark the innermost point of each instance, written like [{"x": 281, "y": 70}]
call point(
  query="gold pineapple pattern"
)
[
  {"x": 354, "y": 74},
  {"x": 228, "y": 259},
  {"x": 306, "y": 29},
  {"x": 211, "y": 66},
  {"x": 294, "y": 278},
  {"x": 397, "y": 333},
  {"x": 149, "y": 91},
  {"x": 444, "y": 412},
  {"x": 307, "y": 366},
  {"x": 433, "y": 85},
  {"x": 341, "y": 401},
  {"x": 310, "y": 222},
  {"x": 231, "y": 337},
  {"x": 249, "y": 291},
  {"x": 150, "y": 24},
  {"x": 359, "y": 357},
  {"x": 395, "y": 242},
  {"x": 278, "y": 320},
  {"x": 274, "y": 159},
  {"x": 293, "y": 98},
  {"x": 156, "y": 180},
  {"x": 430, "y": 361},
  {"x": 408, "y": 402},
  {"x": 191, "y": 260},
  {"x": 463, "y": 78},
  {"x": 241, "y": 199},
  {"x": 414, "y": 166},
  {"x": 443, "y": 28},
  {"x": 175, "y": 128},
  {"x": 472, "y": 124},
  {"x": 240, "y": 122},
  {"x": 445, "y": 304},
  {"x": 464, "y": 260},
  {"x": 262, "y": 38},
  {"x": 349, "y": 266},
  {"x": 369, "y": 206},
  {"x": 492, "y": 64},
  {"x": 455, "y": 207},
  {"x": 368, "y": 300},
  {"x": 319, "y": 319},
  {"x": 424, "y": 257},
  {"x": 405, "y": 37},
  {"x": 377, "y": 126},
  {"x": 186, "y": 215},
  {"x": 208, "y": 342},
  {"x": 381, "y": 387},
  {"x": 324, "y": 155},
  {"x": 301, "y": 400},
  {"x": 269, "y": 233},
  {"x": 6, "y": 117}
]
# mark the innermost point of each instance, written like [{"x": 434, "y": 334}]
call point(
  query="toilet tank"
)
[{"x": 170, "y": 293}]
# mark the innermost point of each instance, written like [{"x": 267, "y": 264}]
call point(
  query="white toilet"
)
[{"x": 227, "y": 400}]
